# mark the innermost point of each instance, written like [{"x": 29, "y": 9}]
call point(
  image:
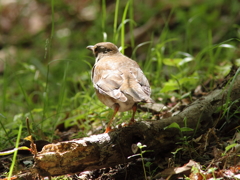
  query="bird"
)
[{"x": 118, "y": 81}]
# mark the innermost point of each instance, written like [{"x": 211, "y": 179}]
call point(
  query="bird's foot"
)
[
  {"x": 108, "y": 129},
  {"x": 132, "y": 121}
]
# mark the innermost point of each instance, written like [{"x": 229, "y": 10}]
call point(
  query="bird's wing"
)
[
  {"x": 108, "y": 82},
  {"x": 141, "y": 80},
  {"x": 136, "y": 85},
  {"x": 121, "y": 79}
]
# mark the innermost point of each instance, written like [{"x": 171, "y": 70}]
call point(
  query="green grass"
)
[
  {"x": 15, "y": 153},
  {"x": 49, "y": 81},
  {"x": 45, "y": 86}
]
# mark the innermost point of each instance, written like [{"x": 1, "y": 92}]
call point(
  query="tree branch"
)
[{"x": 106, "y": 150}]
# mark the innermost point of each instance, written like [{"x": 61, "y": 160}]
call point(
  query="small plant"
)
[
  {"x": 140, "y": 147},
  {"x": 184, "y": 140},
  {"x": 181, "y": 129},
  {"x": 212, "y": 171},
  {"x": 228, "y": 148}
]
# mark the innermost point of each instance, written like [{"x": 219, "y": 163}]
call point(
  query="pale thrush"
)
[{"x": 118, "y": 80}]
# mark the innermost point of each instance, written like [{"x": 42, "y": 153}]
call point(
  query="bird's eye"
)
[
  {"x": 102, "y": 49},
  {"x": 107, "y": 50}
]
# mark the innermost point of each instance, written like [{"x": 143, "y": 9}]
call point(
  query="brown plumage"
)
[{"x": 118, "y": 80}]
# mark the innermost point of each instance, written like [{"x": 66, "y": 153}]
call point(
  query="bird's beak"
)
[{"x": 90, "y": 47}]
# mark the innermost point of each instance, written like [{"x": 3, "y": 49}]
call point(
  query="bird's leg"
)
[
  {"x": 116, "y": 108},
  {"x": 134, "y": 108}
]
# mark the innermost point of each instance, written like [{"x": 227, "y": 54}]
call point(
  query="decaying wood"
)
[{"x": 106, "y": 150}]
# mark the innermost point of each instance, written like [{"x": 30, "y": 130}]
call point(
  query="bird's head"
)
[{"x": 103, "y": 49}]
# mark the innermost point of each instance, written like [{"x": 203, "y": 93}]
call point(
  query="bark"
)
[{"x": 110, "y": 149}]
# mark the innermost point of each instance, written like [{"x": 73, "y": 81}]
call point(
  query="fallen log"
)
[{"x": 110, "y": 149}]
